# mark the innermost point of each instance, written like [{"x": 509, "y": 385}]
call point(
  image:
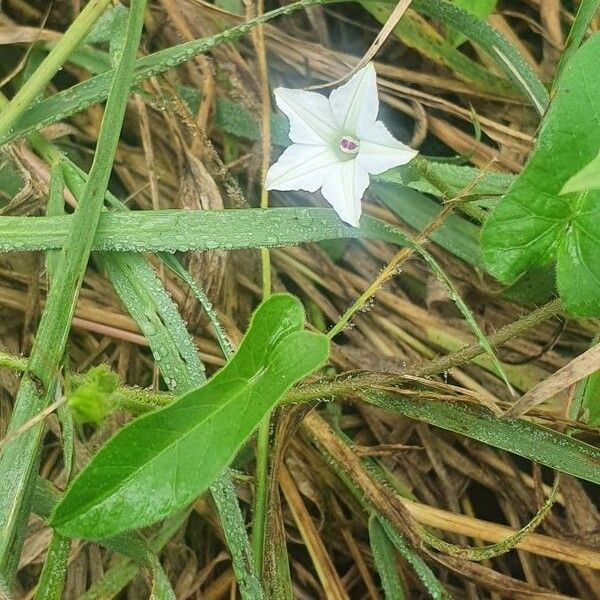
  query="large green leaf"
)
[
  {"x": 177, "y": 452},
  {"x": 534, "y": 225}
]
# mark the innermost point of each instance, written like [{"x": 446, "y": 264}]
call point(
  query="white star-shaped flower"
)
[{"x": 337, "y": 144}]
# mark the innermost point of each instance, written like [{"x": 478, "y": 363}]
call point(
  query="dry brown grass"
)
[{"x": 467, "y": 492}]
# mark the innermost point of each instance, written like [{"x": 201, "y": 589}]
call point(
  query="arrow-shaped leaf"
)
[{"x": 164, "y": 460}]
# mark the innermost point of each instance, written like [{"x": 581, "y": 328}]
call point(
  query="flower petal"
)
[
  {"x": 380, "y": 150},
  {"x": 355, "y": 104},
  {"x": 301, "y": 167},
  {"x": 344, "y": 187},
  {"x": 310, "y": 116}
]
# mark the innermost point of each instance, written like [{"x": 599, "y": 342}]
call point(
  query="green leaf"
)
[
  {"x": 533, "y": 225},
  {"x": 237, "y": 120},
  {"x": 536, "y": 286},
  {"x": 586, "y": 179},
  {"x": 177, "y": 452},
  {"x": 532, "y": 441},
  {"x": 480, "y": 8}
]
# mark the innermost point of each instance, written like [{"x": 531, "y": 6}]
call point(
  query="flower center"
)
[{"x": 349, "y": 145}]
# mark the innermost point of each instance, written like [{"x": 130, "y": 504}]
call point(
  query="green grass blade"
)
[
  {"x": 238, "y": 542},
  {"x": 55, "y": 208},
  {"x": 95, "y": 90},
  {"x": 420, "y": 567},
  {"x": 176, "y": 267},
  {"x": 152, "y": 231},
  {"x": 19, "y": 458},
  {"x": 585, "y": 13},
  {"x": 35, "y": 84},
  {"x": 431, "y": 44},
  {"x": 521, "y": 437},
  {"x": 384, "y": 556},
  {"x": 231, "y": 229},
  {"x": 502, "y": 52},
  {"x": 52, "y": 580},
  {"x": 154, "y": 311}
]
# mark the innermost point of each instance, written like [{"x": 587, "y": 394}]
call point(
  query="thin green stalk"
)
[
  {"x": 20, "y": 458},
  {"x": 54, "y": 572},
  {"x": 261, "y": 491},
  {"x": 13, "y": 362},
  {"x": 264, "y": 429},
  {"x": 585, "y": 14},
  {"x": 51, "y": 64}
]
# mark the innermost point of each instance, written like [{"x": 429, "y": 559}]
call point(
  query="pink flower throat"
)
[{"x": 349, "y": 145}]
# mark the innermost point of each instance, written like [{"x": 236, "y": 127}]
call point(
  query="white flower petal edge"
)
[
  {"x": 310, "y": 116},
  {"x": 356, "y": 103},
  {"x": 380, "y": 150},
  {"x": 344, "y": 187},
  {"x": 301, "y": 167}
]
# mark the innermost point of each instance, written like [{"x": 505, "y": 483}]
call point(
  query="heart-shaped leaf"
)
[
  {"x": 534, "y": 225},
  {"x": 165, "y": 459}
]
